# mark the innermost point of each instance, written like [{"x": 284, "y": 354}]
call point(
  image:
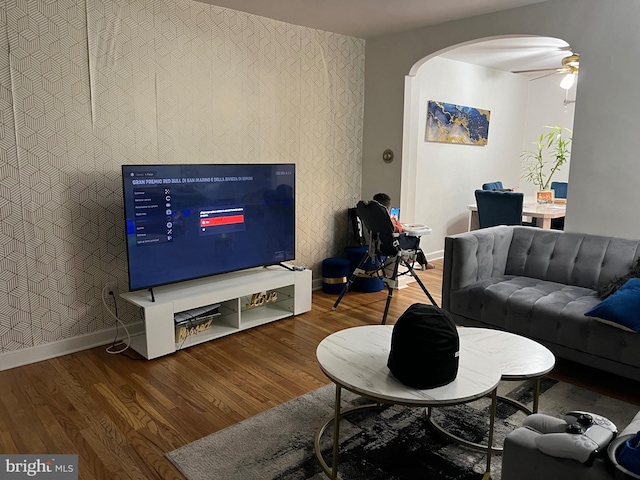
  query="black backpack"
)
[{"x": 425, "y": 347}]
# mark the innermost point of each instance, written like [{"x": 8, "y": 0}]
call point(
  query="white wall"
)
[
  {"x": 605, "y": 149},
  {"x": 448, "y": 174}
]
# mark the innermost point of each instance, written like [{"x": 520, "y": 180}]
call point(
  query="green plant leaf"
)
[{"x": 552, "y": 150}]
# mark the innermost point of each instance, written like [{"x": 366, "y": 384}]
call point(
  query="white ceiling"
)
[
  {"x": 371, "y": 18},
  {"x": 514, "y": 54},
  {"x": 368, "y": 18}
]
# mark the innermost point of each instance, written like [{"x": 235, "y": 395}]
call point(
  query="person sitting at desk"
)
[{"x": 406, "y": 241}]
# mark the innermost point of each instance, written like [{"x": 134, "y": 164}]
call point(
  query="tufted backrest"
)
[
  {"x": 492, "y": 186},
  {"x": 571, "y": 258}
]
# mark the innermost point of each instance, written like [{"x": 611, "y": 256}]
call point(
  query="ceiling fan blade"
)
[
  {"x": 554, "y": 70},
  {"x": 546, "y": 75}
]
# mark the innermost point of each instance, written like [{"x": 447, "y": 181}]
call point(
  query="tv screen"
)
[{"x": 191, "y": 221}]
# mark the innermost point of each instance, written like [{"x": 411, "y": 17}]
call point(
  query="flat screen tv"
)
[{"x": 191, "y": 221}]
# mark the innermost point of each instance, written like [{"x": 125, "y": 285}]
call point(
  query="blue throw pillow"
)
[{"x": 622, "y": 308}]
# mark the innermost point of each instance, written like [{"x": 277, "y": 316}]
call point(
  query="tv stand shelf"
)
[{"x": 242, "y": 299}]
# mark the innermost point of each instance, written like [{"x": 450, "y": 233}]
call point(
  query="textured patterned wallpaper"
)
[{"x": 86, "y": 86}]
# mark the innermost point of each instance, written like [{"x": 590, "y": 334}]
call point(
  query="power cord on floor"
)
[{"x": 125, "y": 345}]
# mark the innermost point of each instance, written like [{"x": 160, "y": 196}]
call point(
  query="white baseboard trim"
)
[
  {"x": 437, "y": 255},
  {"x": 47, "y": 351}
]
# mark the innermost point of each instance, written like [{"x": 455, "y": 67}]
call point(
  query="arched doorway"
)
[{"x": 438, "y": 179}]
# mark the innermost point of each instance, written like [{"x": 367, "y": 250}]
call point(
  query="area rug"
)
[{"x": 392, "y": 443}]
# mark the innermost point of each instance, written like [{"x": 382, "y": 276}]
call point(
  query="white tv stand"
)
[{"x": 232, "y": 291}]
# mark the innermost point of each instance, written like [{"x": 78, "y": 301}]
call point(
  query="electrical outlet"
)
[{"x": 110, "y": 287}]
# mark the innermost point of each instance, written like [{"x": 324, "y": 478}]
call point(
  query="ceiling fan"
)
[{"x": 570, "y": 67}]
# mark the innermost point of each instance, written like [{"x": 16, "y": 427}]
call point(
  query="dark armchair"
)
[{"x": 499, "y": 208}]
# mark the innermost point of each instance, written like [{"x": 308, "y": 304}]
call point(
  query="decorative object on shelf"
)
[
  {"x": 182, "y": 332},
  {"x": 194, "y": 321},
  {"x": 451, "y": 123},
  {"x": 259, "y": 299},
  {"x": 551, "y": 152}
]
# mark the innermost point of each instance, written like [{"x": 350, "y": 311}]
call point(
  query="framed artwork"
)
[{"x": 450, "y": 123}]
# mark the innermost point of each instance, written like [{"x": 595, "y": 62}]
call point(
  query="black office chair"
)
[
  {"x": 385, "y": 253},
  {"x": 499, "y": 208}
]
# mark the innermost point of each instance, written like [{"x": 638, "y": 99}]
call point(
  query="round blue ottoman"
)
[
  {"x": 335, "y": 273},
  {"x": 362, "y": 284}
]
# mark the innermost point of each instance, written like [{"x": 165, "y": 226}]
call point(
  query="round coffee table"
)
[
  {"x": 356, "y": 359},
  {"x": 520, "y": 358}
]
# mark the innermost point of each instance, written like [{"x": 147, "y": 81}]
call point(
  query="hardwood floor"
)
[{"x": 121, "y": 413}]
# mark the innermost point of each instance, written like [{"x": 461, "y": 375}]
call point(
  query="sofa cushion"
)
[
  {"x": 622, "y": 308},
  {"x": 529, "y": 306}
]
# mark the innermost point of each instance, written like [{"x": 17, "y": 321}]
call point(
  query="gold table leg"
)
[
  {"x": 338, "y": 413},
  {"x": 492, "y": 419},
  {"x": 536, "y": 395},
  {"x": 336, "y": 433}
]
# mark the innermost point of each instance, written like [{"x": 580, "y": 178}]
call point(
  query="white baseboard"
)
[
  {"x": 47, "y": 351},
  {"x": 437, "y": 255}
]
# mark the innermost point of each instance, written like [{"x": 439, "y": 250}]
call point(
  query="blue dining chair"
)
[
  {"x": 499, "y": 208},
  {"x": 492, "y": 186},
  {"x": 559, "y": 189}
]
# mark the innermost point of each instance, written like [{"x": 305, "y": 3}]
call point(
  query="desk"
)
[{"x": 544, "y": 212}]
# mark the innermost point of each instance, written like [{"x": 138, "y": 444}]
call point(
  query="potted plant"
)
[{"x": 552, "y": 151}]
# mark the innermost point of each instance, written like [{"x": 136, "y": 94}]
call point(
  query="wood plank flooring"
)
[{"x": 121, "y": 413}]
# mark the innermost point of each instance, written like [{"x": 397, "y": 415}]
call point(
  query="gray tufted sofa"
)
[{"x": 538, "y": 283}]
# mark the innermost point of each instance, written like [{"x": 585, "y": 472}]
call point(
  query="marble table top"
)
[
  {"x": 519, "y": 357},
  {"x": 356, "y": 359}
]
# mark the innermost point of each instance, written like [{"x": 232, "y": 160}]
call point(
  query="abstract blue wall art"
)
[{"x": 449, "y": 123}]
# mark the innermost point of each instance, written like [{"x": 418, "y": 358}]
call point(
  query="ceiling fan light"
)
[{"x": 568, "y": 81}]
